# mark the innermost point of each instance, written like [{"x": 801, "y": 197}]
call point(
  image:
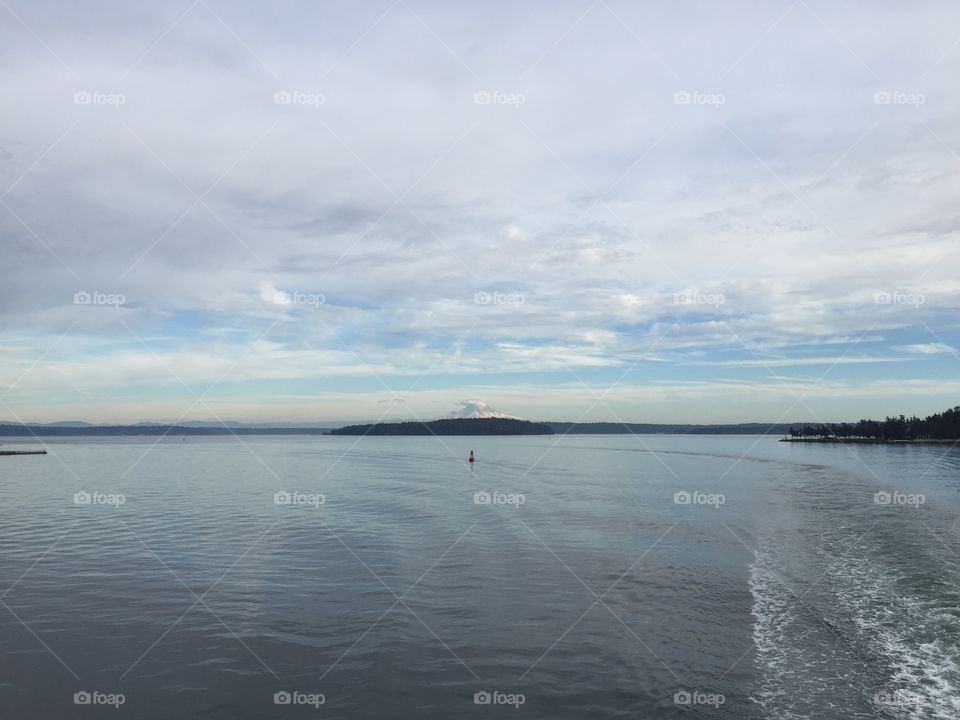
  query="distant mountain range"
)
[
  {"x": 468, "y": 411},
  {"x": 147, "y": 429},
  {"x": 497, "y": 425},
  {"x": 475, "y": 417},
  {"x": 232, "y": 424}
]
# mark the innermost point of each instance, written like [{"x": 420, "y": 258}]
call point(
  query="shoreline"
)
[{"x": 868, "y": 441}]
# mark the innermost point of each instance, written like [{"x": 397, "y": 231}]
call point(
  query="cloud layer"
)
[{"x": 306, "y": 211}]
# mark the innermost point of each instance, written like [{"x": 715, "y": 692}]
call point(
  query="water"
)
[{"x": 583, "y": 589}]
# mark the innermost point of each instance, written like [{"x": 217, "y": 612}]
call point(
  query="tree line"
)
[
  {"x": 450, "y": 426},
  {"x": 940, "y": 426}
]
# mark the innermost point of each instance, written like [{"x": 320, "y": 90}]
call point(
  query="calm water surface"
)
[{"x": 777, "y": 584}]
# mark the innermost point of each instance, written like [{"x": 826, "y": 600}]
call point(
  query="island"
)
[{"x": 450, "y": 426}]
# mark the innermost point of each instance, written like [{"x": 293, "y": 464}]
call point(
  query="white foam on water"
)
[
  {"x": 798, "y": 671},
  {"x": 776, "y": 628},
  {"x": 922, "y": 684}
]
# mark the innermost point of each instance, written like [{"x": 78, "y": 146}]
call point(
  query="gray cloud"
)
[{"x": 604, "y": 177}]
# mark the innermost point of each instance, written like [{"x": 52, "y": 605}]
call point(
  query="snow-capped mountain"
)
[{"x": 473, "y": 409}]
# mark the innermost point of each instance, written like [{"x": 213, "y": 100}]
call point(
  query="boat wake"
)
[{"x": 836, "y": 627}]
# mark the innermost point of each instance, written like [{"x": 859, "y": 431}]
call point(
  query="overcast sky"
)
[{"x": 570, "y": 210}]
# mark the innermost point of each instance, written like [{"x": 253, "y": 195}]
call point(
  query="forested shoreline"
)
[{"x": 942, "y": 426}]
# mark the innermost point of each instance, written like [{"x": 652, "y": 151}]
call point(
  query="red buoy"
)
[{"x": 471, "y": 456}]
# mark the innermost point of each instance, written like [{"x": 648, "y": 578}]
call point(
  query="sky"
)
[{"x": 338, "y": 211}]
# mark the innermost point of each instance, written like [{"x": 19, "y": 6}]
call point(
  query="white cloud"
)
[
  {"x": 927, "y": 348},
  {"x": 398, "y": 199}
]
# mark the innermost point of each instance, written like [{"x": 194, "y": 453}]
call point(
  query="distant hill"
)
[
  {"x": 608, "y": 428},
  {"x": 57, "y": 430},
  {"x": 450, "y": 426}
]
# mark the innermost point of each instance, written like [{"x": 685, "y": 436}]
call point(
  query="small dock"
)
[{"x": 23, "y": 452}]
